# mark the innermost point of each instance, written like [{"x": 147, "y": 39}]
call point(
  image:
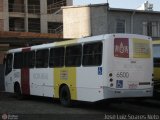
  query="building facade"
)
[
  {"x": 81, "y": 21},
  {"x": 41, "y": 16}
]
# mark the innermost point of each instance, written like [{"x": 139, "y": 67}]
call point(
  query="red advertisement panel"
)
[
  {"x": 25, "y": 82},
  {"x": 121, "y": 47}
]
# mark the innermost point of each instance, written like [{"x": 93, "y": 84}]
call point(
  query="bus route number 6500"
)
[{"x": 122, "y": 74}]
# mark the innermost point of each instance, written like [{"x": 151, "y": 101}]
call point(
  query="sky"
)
[{"x": 129, "y": 4}]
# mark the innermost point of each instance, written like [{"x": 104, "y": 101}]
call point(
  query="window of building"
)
[
  {"x": 120, "y": 26},
  {"x": 92, "y": 54},
  {"x": 56, "y": 57},
  {"x": 156, "y": 51},
  {"x": 42, "y": 58},
  {"x": 8, "y": 62},
  {"x": 18, "y": 60},
  {"x": 156, "y": 62},
  {"x": 151, "y": 28},
  {"x": 73, "y": 55}
]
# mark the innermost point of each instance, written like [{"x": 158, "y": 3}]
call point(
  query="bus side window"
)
[
  {"x": 9, "y": 60},
  {"x": 92, "y": 54},
  {"x": 73, "y": 56},
  {"x": 31, "y": 59},
  {"x": 56, "y": 57},
  {"x": 42, "y": 58},
  {"x": 18, "y": 60}
]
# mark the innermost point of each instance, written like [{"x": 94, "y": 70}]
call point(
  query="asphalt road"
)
[{"x": 39, "y": 108}]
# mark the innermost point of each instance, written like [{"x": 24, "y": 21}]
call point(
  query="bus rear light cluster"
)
[
  {"x": 110, "y": 74},
  {"x": 111, "y": 85},
  {"x": 111, "y": 80}
]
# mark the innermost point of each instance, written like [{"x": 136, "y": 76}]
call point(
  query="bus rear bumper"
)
[{"x": 122, "y": 93}]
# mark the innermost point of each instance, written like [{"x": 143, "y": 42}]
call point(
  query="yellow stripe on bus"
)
[
  {"x": 156, "y": 73},
  {"x": 66, "y": 42},
  {"x": 65, "y": 76}
]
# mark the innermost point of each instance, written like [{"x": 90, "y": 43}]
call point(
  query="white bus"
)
[{"x": 86, "y": 69}]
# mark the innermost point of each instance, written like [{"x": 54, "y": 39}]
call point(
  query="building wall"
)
[
  {"x": 1, "y": 24},
  {"x": 113, "y": 17},
  {"x": 140, "y": 18},
  {"x": 42, "y": 15},
  {"x": 1, "y": 16},
  {"x": 98, "y": 20},
  {"x": 1, "y": 5},
  {"x": 103, "y": 21},
  {"x": 76, "y": 22}
]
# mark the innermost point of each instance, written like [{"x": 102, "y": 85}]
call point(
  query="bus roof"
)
[{"x": 80, "y": 40}]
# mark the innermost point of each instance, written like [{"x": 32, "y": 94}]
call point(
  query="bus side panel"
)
[
  {"x": 41, "y": 82},
  {"x": 25, "y": 84},
  {"x": 89, "y": 84},
  {"x": 9, "y": 87},
  {"x": 68, "y": 77}
]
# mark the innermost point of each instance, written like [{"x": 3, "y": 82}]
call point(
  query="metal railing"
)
[
  {"x": 58, "y": 30},
  {"x": 16, "y": 8},
  {"x": 34, "y": 27},
  {"x": 55, "y": 6},
  {"x": 16, "y": 29},
  {"x": 17, "y": 26},
  {"x": 34, "y": 9}
]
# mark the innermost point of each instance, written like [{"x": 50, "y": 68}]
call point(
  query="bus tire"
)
[
  {"x": 65, "y": 96},
  {"x": 17, "y": 91}
]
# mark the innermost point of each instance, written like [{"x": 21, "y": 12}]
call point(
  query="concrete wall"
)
[
  {"x": 1, "y": 24},
  {"x": 6, "y": 15},
  {"x": 102, "y": 21},
  {"x": 1, "y": 5},
  {"x": 1, "y": 77},
  {"x": 76, "y": 22},
  {"x": 1, "y": 16},
  {"x": 99, "y": 20}
]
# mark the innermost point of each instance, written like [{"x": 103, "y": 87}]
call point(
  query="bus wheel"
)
[
  {"x": 65, "y": 96},
  {"x": 17, "y": 91}
]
